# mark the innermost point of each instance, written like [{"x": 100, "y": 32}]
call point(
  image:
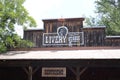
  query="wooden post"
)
[
  {"x": 30, "y": 73},
  {"x": 77, "y": 77},
  {"x": 78, "y": 72}
]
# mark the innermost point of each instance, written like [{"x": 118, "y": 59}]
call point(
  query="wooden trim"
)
[
  {"x": 66, "y": 19},
  {"x": 63, "y": 48}
]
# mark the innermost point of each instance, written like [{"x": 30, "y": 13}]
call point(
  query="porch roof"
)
[{"x": 62, "y": 54}]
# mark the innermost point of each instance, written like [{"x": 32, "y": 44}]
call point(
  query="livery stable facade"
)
[{"x": 64, "y": 50}]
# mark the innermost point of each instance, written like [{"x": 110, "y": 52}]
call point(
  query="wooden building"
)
[
  {"x": 92, "y": 36},
  {"x": 64, "y": 50}
]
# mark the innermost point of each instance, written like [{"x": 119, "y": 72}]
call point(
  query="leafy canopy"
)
[
  {"x": 12, "y": 12},
  {"x": 109, "y": 15}
]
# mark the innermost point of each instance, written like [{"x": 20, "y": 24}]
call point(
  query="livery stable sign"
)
[
  {"x": 63, "y": 37},
  {"x": 54, "y": 72}
]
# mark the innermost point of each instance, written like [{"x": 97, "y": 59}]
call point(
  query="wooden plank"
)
[
  {"x": 78, "y": 71},
  {"x": 30, "y": 71},
  {"x": 92, "y": 36}
]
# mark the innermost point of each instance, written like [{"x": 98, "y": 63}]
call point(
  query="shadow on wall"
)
[{"x": 10, "y": 53}]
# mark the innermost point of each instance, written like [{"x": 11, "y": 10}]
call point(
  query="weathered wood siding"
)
[
  {"x": 112, "y": 41},
  {"x": 35, "y": 36},
  {"x": 73, "y": 25},
  {"x": 94, "y": 36}
]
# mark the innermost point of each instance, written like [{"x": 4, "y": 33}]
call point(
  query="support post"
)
[
  {"x": 30, "y": 73},
  {"x": 78, "y": 72}
]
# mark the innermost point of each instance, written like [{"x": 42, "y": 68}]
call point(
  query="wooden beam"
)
[
  {"x": 83, "y": 70},
  {"x": 72, "y": 70},
  {"x": 77, "y": 71},
  {"x": 36, "y": 69},
  {"x": 29, "y": 71},
  {"x": 25, "y": 69}
]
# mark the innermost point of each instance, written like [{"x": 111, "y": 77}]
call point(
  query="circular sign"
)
[{"x": 62, "y": 31}]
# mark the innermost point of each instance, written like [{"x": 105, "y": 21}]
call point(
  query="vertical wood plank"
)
[
  {"x": 30, "y": 73},
  {"x": 78, "y": 71}
]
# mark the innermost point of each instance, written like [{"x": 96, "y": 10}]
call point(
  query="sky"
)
[{"x": 52, "y": 9}]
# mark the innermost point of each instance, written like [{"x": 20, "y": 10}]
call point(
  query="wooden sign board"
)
[
  {"x": 54, "y": 72},
  {"x": 63, "y": 37}
]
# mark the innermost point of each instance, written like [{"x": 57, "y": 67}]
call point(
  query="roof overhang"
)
[{"x": 62, "y": 54}]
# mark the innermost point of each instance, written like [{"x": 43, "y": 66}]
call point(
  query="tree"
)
[
  {"x": 109, "y": 11},
  {"x": 93, "y": 21},
  {"x": 108, "y": 15},
  {"x": 12, "y": 13}
]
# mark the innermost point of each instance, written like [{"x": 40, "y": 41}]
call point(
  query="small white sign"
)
[{"x": 54, "y": 72}]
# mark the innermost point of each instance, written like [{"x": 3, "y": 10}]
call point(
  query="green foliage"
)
[
  {"x": 109, "y": 11},
  {"x": 93, "y": 21},
  {"x": 14, "y": 41},
  {"x": 108, "y": 15},
  {"x": 12, "y": 13},
  {"x": 89, "y": 21},
  {"x": 19, "y": 43},
  {"x": 24, "y": 44},
  {"x": 2, "y": 47}
]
